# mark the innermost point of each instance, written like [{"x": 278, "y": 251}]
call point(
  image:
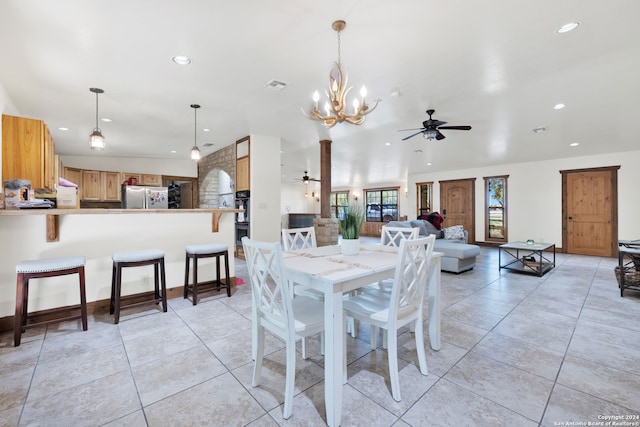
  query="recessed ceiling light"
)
[
  {"x": 387, "y": 144},
  {"x": 106, "y": 119},
  {"x": 574, "y": 144},
  {"x": 63, "y": 129},
  {"x": 206, "y": 130},
  {"x": 428, "y": 164},
  {"x": 173, "y": 151},
  {"x": 568, "y": 27},
  {"x": 181, "y": 60},
  {"x": 559, "y": 106},
  {"x": 539, "y": 130}
]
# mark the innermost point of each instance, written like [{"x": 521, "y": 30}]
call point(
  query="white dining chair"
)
[
  {"x": 392, "y": 236},
  {"x": 298, "y": 238},
  {"x": 276, "y": 311},
  {"x": 402, "y": 307}
]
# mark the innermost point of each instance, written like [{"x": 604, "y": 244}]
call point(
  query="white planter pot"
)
[{"x": 350, "y": 246}]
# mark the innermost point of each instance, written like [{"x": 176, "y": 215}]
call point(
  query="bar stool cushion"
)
[
  {"x": 207, "y": 248},
  {"x": 137, "y": 256},
  {"x": 51, "y": 264}
]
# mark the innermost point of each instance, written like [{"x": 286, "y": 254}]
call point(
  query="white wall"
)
[
  {"x": 265, "y": 188},
  {"x": 535, "y": 194},
  {"x": 96, "y": 236},
  {"x": 292, "y": 200},
  {"x": 176, "y": 167},
  {"x": 6, "y": 107}
]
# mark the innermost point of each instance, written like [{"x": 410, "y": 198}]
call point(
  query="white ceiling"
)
[{"x": 497, "y": 65}]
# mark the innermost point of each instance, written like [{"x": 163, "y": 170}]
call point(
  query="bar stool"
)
[
  {"x": 121, "y": 260},
  {"x": 207, "y": 250},
  {"x": 37, "y": 269}
]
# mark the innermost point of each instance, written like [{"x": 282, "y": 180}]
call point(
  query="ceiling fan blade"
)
[
  {"x": 401, "y": 130},
  {"x": 439, "y": 136},
  {"x": 438, "y": 123},
  {"x": 455, "y": 127},
  {"x": 411, "y": 136}
]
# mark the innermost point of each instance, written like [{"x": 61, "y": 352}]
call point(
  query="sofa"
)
[{"x": 458, "y": 256}]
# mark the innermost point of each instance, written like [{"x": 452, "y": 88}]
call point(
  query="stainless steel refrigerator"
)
[{"x": 140, "y": 197}]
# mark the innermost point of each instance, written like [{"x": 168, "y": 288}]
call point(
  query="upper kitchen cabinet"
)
[
  {"x": 110, "y": 186},
  {"x": 91, "y": 185},
  {"x": 242, "y": 164},
  {"x": 28, "y": 152},
  {"x": 148, "y": 179}
]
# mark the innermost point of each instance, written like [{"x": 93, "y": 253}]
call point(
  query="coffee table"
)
[{"x": 528, "y": 258}]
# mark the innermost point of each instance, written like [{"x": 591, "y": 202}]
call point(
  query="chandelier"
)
[{"x": 335, "y": 107}]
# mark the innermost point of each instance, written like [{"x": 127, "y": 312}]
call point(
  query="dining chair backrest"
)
[
  {"x": 410, "y": 280},
  {"x": 270, "y": 288},
  {"x": 392, "y": 236},
  {"x": 298, "y": 238}
]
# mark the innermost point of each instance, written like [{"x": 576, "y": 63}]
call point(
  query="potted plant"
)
[{"x": 350, "y": 226}]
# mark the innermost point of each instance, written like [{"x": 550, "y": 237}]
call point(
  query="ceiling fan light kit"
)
[
  {"x": 335, "y": 107},
  {"x": 96, "y": 139},
  {"x": 431, "y": 128}
]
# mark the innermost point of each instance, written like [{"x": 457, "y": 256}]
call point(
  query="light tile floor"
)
[{"x": 517, "y": 351}]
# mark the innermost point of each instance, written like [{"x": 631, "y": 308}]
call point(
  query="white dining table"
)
[{"x": 325, "y": 269}]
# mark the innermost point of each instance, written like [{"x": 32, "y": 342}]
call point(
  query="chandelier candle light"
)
[
  {"x": 96, "y": 140},
  {"x": 195, "y": 152},
  {"x": 335, "y": 108}
]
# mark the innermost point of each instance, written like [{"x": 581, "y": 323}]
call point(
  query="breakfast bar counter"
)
[{"x": 29, "y": 234}]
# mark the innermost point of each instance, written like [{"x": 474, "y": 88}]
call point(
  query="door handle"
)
[
  {"x": 444, "y": 211},
  {"x": 570, "y": 217}
]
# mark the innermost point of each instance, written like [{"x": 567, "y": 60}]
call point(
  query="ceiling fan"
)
[
  {"x": 305, "y": 178},
  {"x": 431, "y": 128}
]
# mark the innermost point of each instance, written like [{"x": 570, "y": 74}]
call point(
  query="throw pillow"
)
[{"x": 454, "y": 233}]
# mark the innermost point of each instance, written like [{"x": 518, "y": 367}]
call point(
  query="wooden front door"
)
[
  {"x": 590, "y": 206},
  {"x": 457, "y": 204}
]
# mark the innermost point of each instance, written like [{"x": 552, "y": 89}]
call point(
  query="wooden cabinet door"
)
[
  {"x": 111, "y": 184},
  {"x": 48, "y": 159},
  {"x": 242, "y": 174},
  {"x": 126, "y": 175},
  {"x": 22, "y": 155},
  {"x": 91, "y": 186},
  {"x": 148, "y": 179},
  {"x": 74, "y": 175}
]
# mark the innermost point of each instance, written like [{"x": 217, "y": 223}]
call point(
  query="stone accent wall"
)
[
  {"x": 326, "y": 231},
  {"x": 208, "y": 167}
]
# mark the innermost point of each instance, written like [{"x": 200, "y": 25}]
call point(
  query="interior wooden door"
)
[
  {"x": 590, "y": 212},
  {"x": 457, "y": 204}
]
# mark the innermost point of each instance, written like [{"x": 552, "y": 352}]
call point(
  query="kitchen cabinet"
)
[
  {"x": 148, "y": 179},
  {"x": 74, "y": 175},
  {"x": 138, "y": 176},
  {"x": 91, "y": 185},
  {"x": 243, "y": 165},
  {"x": 28, "y": 152},
  {"x": 110, "y": 183}
]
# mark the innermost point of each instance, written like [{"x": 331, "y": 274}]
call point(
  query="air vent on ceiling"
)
[
  {"x": 276, "y": 84},
  {"x": 208, "y": 144}
]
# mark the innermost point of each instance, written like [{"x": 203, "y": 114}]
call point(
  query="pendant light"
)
[
  {"x": 96, "y": 140},
  {"x": 195, "y": 152}
]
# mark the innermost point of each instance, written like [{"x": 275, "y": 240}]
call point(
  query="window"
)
[
  {"x": 382, "y": 204},
  {"x": 424, "y": 199},
  {"x": 339, "y": 201},
  {"x": 495, "y": 189}
]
